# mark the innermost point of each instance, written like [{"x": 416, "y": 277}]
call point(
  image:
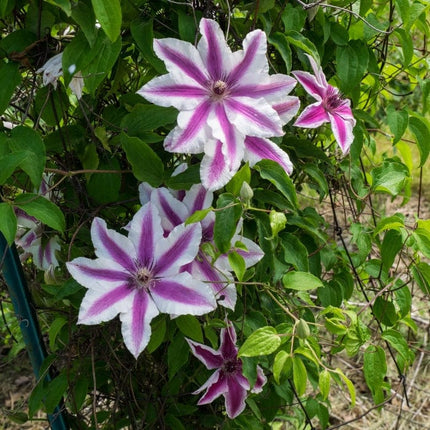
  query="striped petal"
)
[
  {"x": 257, "y": 149},
  {"x": 310, "y": 84},
  {"x": 173, "y": 90},
  {"x": 178, "y": 249},
  {"x": 49, "y": 253},
  {"x": 197, "y": 198},
  {"x": 209, "y": 357},
  {"x": 192, "y": 131},
  {"x": 220, "y": 281},
  {"x": 214, "y": 169},
  {"x": 97, "y": 274},
  {"x": 260, "y": 382},
  {"x": 112, "y": 245},
  {"x": 253, "y": 117},
  {"x": 183, "y": 295},
  {"x": 146, "y": 233},
  {"x": 136, "y": 324},
  {"x": 235, "y": 395},
  {"x": 288, "y": 108},
  {"x": 223, "y": 130},
  {"x": 214, "y": 386},
  {"x": 228, "y": 346},
  {"x": 312, "y": 116},
  {"x": 342, "y": 130},
  {"x": 254, "y": 61},
  {"x": 100, "y": 305},
  {"x": 213, "y": 49},
  {"x": 183, "y": 57},
  {"x": 172, "y": 211}
]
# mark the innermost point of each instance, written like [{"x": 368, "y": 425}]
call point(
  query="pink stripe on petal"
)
[
  {"x": 198, "y": 198},
  {"x": 258, "y": 120},
  {"x": 235, "y": 397},
  {"x": 192, "y": 128},
  {"x": 182, "y": 295},
  {"x": 214, "y": 170},
  {"x": 106, "y": 243},
  {"x": 282, "y": 84},
  {"x": 342, "y": 130},
  {"x": 209, "y": 357},
  {"x": 228, "y": 346},
  {"x": 288, "y": 108},
  {"x": 257, "y": 149},
  {"x": 107, "y": 300},
  {"x": 217, "y": 387},
  {"x": 98, "y": 274},
  {"x": 171, "y": 210},
  {"x": 255, "y": 45},
  {"x": 260, "y": 382},
  {"x": 182, "y": 62},
  {"x": 312, "y": 116},
  {"x": 214, "y": 59},
  {"x": 140, "y": 304},
  {"x": 310, "y": 84},
  {"x": 183, "y": 244}
]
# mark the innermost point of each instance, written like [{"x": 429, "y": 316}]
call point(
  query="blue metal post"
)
[{"x": 26, "y": 315}]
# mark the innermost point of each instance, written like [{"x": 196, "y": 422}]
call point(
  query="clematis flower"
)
[
  {"x": 174, "y": 210},
  {"x": 228, "y": 379},
  {"x": 330, "y": 106},
  {"x": 140, "y": 276},
  {"x": 222, "y": 96},
  {"x": 53, "y": 69},
  {"x": 30, "y": 233}
]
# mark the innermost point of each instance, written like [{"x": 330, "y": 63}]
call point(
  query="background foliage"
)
[{"x": 345, "y": 277}]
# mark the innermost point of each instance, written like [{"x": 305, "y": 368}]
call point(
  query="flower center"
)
[
  {"x": 232, "y": 366},
  {"x": 219, "y": 90},
  {"x": 333, "y": 100},
  {"x": 142, "y": 279}
]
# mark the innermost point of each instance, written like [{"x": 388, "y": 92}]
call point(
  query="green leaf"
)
[
  {"x": 144, "y": 118},
  {"x": 85, "y": 18},
  {"x": 280, "y": 42},
  {"x": 189, "y": 326},
  {"x": 422, "y": 239},
  {"x": 274, "y": 173},
  {"x": 10, "y": 77},
  {"x": 146, "y": 164},
  {"x": 351, "y": 63},
  {"x": 398, "y": 342},
  {"x": 419, "y": 126},
  {"x": 263, "y": 341},
  {"x": 80, "y": 389},
  {"x": 403, "y": 300},
  {"x": 293, "y": 18},
  {"x": 63, "y": 4},
  {"x": 324, "y": 383},
  {"x": 54, "y": 328},
  {"x": 421, "y": 274},
  {"x": 177, "y": 355},
  {"x": 397, "y": 121},
  {"x": 391, "y": 177},
  {"x": 349, "y": 385},
  {"x": 10, "y": 162},
  {"x": 295, "y": 252},
  {"x": 237, "y": 263},
  {"x": 143, "y": 35},
  {"x": 394, "y": 222},
  {"x": 300, "y": 375},
  {"x": 6, "y": 7},
  {"x": 406, "y": 42},
  {"x": 109, "y": 15},
  {"x": 104, "y": 187},
  {"x": 158, "y": 332},
  {"x": 198, "y": 216},
  {"x": 281, "y": 365},
  {"x": 385, "y": 311},
  {"x": 318, "y": 177},
  {"x": 55, "y": 391},
  {"x": 374, "y": 367},
  {"x": 236, "y": 182},
  {"x": 299, "y": 41},
  {"x": 42, "y": 209},
  {"x": 25, "y": 139},
  {"x": 391, "y": 246},
  {"x": 186, "y": 26},
  {"x": 226, "y": 217},
  {"x": 8, "y": 222},
  {"x": 301, "y": 281}
]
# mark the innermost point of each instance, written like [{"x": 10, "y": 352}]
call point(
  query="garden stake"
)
[{"x": 26, "y": 315}]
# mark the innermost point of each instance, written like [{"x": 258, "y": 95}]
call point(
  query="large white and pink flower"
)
[
  {"x": 140, "y": 276},
  {"x": 228, "y": 380},
  {"x": 223, "y": 97},
  {"x": 330, "y": 106},
  {"x": 174, "y": 209}
]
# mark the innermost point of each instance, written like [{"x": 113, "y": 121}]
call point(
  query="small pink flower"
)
[
  {"x": 330, "y": 106},
  {"x": 228, "y": 380}
]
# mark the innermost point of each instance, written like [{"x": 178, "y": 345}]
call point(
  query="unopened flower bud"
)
[
  {"x": 302, "y": 329},
  {"x": 246, "y": 193}
]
